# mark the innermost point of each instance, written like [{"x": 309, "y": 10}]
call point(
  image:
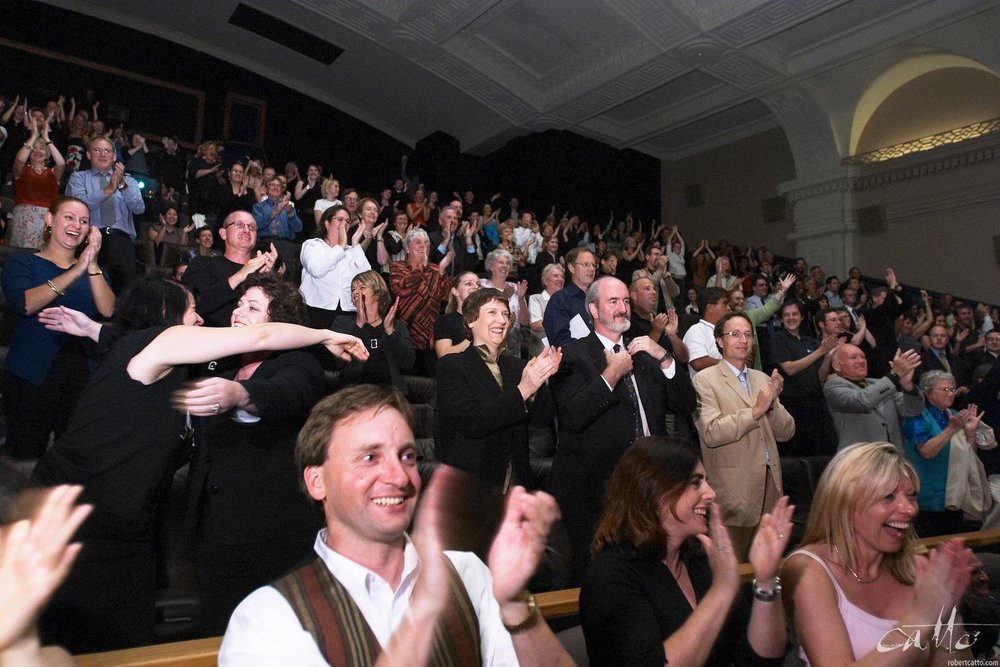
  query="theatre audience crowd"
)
[{"x": 593, "y": 335}]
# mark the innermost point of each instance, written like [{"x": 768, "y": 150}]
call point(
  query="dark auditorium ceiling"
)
[{"x": 667, "y": 78}]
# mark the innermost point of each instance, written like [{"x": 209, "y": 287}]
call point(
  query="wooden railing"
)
[{"x": 555, "y": 604}]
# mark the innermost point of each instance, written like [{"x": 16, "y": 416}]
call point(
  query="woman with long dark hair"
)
[{"x": 663, "y": 583}]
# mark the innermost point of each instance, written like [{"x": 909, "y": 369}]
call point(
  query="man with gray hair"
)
[
  {"x": 606, "y": 396},
  {"x": 420, "y": 287}
]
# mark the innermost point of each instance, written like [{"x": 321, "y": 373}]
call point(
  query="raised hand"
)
[
  {"x": 345, "y": 347},
  {"x": 538, "y": 370},
  {"x": 69, "y": 321},
  {"x": 390, "y": 318},
  {"x": 520, "y": 542},
  {"x": 36, "y": 557},
  {"x": 719, "y": 550},
  {"x": 771, "y": 539},
  {"x": 942, "y": 578}
]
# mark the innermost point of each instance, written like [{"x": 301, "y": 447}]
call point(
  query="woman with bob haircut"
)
[
  {"x": 374, "y": 321},
  {"x": 663, "y": 583},
  {"x": 856, "y": 590},
  {"x": 486, "y": 399}
]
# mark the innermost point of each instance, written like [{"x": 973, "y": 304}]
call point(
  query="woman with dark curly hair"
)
[{"x": 251, "y": 520}]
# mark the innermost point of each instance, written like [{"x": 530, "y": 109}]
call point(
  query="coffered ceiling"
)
[{"x": 666, "y": 77}]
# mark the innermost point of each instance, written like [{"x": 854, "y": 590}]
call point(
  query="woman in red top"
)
[{"x": 35, "y": 187}]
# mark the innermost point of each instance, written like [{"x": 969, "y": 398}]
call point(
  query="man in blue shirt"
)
[
  {"x": 277, "y": 225},
  {"x": 566, "y": 316},
  {"x": 113, "y": 198}
]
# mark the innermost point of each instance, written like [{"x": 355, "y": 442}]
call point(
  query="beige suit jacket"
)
[{"x": 733, "y": 443}]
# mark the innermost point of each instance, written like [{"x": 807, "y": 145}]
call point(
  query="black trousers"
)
[
  {"x": 117, "y": 257},
  {"x": 34, "y": 411}
]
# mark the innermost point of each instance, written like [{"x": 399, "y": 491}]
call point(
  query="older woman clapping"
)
[
  {"x": 486, "y": 399},
  {"x": 498, "y": 265},
  {"x": 663, "y": 586},
  {"x": 856, "y": 592},
  {"x": 930, "y": 438}
]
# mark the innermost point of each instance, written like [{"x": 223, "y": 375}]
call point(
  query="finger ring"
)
[
  {"x": 781, "y": 536},
  {"x": 723, "y": 548},
  {"x": 215, "y": 408}
]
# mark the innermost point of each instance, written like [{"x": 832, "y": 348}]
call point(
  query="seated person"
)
[
  {"x": 357, "y": 457},
  {"x": 663, "y": 585},
  {"x": 857, "y": 580}
]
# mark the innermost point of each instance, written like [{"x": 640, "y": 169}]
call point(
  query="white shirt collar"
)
[{"x": 607, "y": 342}]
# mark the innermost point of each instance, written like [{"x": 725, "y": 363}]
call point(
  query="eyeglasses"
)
[
  {"x": 739, "y": 334},
  {"x": 240, "y": 225},
  {"x": 947, "y": 390},
  {"x": 586, "y": 265},
  {"x": 103, "y": 151}
]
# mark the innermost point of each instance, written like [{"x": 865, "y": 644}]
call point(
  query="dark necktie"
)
[
  {"x": 108, "y": 205},
  {"x": 633, "y": 398}
]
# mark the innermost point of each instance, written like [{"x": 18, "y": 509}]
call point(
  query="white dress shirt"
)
[
  {"x": 327, "y": 273},
  {"x": 264, "y": 630}
]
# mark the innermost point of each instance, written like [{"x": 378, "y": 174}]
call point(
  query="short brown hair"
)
[
  {"x": 286, "y": 303},
  {"x": 478, "y": 299},
  {"x": 373, "y": 280},
  {"x": 652, "y": 472},
  {"x": 313, "y": 444}
]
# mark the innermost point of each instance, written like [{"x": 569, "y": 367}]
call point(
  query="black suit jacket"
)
[
  {"x": 596, "y": 425},
  {"x": 243, "y": 483},
  {"x": 481, "y": 427}
]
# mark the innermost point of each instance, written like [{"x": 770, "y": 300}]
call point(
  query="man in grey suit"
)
[{"x": 867, "y": 409}]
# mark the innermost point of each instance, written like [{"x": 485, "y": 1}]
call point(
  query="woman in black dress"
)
[
  {"x": 659, "y": 589},
  {"x": 251, "y": 520},
  {"x": 124, "y": 442}
]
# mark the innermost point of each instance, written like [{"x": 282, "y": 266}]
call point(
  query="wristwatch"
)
[{"x": 767, "y": 596}]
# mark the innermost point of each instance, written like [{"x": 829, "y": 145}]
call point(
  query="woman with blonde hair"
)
[{"x": 856, "y": 591}]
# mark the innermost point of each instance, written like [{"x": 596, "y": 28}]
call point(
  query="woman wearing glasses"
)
[
  {"x": 328, "y": 265},
  {"x": 930, "y": 438}
]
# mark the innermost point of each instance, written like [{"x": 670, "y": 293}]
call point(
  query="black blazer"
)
[
  {"x": 244, "y": 484},
  {"x": 480, "y": 427},
  {"x": 596, "y": 425}
]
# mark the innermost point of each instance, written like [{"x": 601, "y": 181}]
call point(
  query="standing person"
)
[
  {"x": 234, "y": 195},
  {"x": 450, "y": 334},
  {"x": 215, "y": 279},
  {"x": 866, "y": 409},
  {"x": 123, "y": 457},
  {"x": 203, "y": 181},
  {"x": 308, "y": 191},
  {"x": 498, "y": 265},
  {"x": 930, "y": 438},
  {"x": 45, "y": 371},
  {"x": 36, "y": 186},
  {"x": 740, "y": 421},
  {"x": 168, "y": 238},
  {"x": 664, "y": 584},
  {"x": 486, "y": 400},
  {"x": 331, "y": 192},
  {"x": 113, "y": 198},
  {"x": 421, "y": 288},
  {"x": 278, "y": 223},
  {"x": 567, "y": 316},
  {"x": 553, "y": 280},
  {"x": 249, "y": 517},
  {"x": 804, "y": 363},
  {"x": 329, "y": 264},
  {"x": 606, "y": 395}
]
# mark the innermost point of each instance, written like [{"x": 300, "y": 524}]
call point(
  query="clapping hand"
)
[{"x": 771, "y": 539}]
